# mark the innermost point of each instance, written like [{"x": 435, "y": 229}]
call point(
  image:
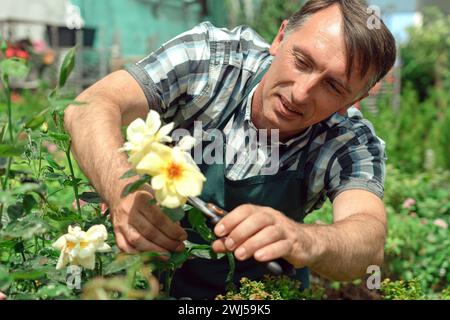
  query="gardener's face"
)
[{"x": 307, "y": 80}]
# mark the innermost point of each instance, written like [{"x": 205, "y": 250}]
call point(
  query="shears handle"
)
[{"x": 276, "y": 267}]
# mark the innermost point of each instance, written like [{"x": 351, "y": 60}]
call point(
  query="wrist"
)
[{"x": 306, "y": 247}]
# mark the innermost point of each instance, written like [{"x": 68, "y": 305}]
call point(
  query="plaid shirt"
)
[{"x": 202, "y": 71}]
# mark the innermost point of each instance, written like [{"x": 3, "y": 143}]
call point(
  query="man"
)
[{"x": 321, "y": 62}]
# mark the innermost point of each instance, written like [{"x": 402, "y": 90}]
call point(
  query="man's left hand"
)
[{"x": 261, "y": 232}]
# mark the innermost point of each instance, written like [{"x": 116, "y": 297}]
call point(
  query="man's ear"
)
[
  {"x": 343, "y": 111},
  {"x": 278, "y": 38}
]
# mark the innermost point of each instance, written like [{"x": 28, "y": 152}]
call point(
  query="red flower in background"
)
[{"x": 16, "y": 52}]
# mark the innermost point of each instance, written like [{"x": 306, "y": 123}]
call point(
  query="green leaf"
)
[
  {"x": 7, "y": 244},
  {"x": 70, "y": 183},
  {"x": 4, "y": 46},
  {"x": 91, "y": 197},
  {"x": 198, "y": 223},
  {"x": 3, "y": 132},
  {"x": 54, "y": 176},
  {"x": 15, "y": 211},
  {"x": 25, "y": 228},
  {"x": 178, "y": 258},
  {"x": 54, "y": 290},
  {"x": 28, "y": 203},
  {"x": 14, "y": 67},
  {"x": 3, "y": 163},
  {"x": 62, "y": 222},
  {"x": 29, "y": 187},
  {"x": 53, "y": 163},
  {"x": 174, "y": 214},
  {"x": 130, "y": 173},
  {"x": 203, "y": 251},
  {"x": 5, "y": 278},
  {"x": 6, "y": 197},
  {"x": 9, "y": 150},
  {"x": 36, "y": 120},
  {"x": 28, "y": 274},
  {"x": 67, "y": 67},
  {"x": 25, "y": 296},
  {"x": 122, "y": 262},
  {"x": 60, "y": 103},
  {"x": 131, "y": 187},
  {"x": 59, "y": 136}
]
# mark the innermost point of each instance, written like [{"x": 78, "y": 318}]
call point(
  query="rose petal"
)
[
  {"x": 152, "y": 164},
  {"x": 87, "y": 251},
  {"x": 104, "y": 248},
  {"x": 153, "y": 122},
  {"x": 166, "y": 129},
  {"x": 97, "y": 232},
  {"x": 186, "y": 143},
  {"x": 158, "y": 182},
  {"x": 189, "y": 185},
  {"x": 60, "y": 243},
  {"x": 62, "y": 260},
  {"x": 136, "y": 129},
  {"x": 169, "y": 200},
  {"x": 88, "y": 262}
]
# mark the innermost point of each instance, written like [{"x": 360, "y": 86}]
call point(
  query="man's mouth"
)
[{"x": 286, "y": 110}]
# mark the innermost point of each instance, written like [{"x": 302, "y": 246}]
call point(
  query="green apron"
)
[{"x": 285, "y": 191}]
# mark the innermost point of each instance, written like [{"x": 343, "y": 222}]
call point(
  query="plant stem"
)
[
  {"x": 168, "y": 282},
  {"x": 8, "y": 104},
  {"x": 11, "y": 138},
  {"x": 40, "y": 160},
  {"x": 99, "y": 267},
  {"x": 74, "y": 184}
]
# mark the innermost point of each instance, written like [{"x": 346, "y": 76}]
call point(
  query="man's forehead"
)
[{"x": 324, "y": 32}]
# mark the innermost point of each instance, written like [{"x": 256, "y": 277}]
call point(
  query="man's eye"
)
[
  {"x": 301, "y": 64},
  {"x": 333, "y": 87}
]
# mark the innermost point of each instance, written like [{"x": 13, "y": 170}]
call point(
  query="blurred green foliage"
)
[
  {"x": 271, "y": 15},
  {"x": 416, "y": 135},
  {"x": 426, "y": 56}
]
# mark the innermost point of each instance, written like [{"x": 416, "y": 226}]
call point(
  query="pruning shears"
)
[{"x": 215, "y": 214}]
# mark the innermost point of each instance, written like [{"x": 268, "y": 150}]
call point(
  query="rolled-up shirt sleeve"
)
[
  {"x": 360, "y": 164},
  {"x": 175, "y": 70}
]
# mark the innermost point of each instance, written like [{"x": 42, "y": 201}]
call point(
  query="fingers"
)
[
  {"x": 150, "y": 232},
  {"x": 140, "y": 226},
  {"x": 247, "y": 228},
  {"x": 159, "y": 220},
  {"x": 257, "y": 243},
  {"x": 136, "y": 242},
  {"x": 253, "y": 231},
  {"x": 274, "y": 251},
  {"x": 219, "y": 246},
  {"x": 263, "y": 238},
  {"x": 232, "y": 219},
  {"x": 123, "y": 244}
]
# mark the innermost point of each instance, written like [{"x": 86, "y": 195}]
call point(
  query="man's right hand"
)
[{"x": 141, "y": 227}]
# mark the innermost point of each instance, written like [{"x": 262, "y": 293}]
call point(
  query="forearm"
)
[
  {"x": 343, "y": 250},
  {"x": 94, "y": 128}
]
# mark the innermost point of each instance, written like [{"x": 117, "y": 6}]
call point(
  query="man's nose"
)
[{"x": 304, "y": 88}]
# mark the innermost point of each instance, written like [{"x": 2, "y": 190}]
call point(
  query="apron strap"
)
[
  {"x": 301, "y": 169},
  {"x": 228, "y": 113}
]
